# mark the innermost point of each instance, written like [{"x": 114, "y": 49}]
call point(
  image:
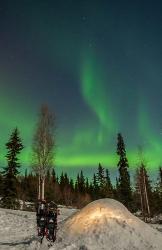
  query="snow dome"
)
[{"x": 106, "y": 224}]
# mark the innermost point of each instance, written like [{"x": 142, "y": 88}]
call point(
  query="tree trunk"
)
[
  {"x": 39, "y": 188},
  {"x": 141, "y": 199},
  {"x": 146, "y": 197},
  {"x": 43, "y": 181}
]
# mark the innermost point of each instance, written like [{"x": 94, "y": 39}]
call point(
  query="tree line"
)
[{"x": 42, "y": 181}]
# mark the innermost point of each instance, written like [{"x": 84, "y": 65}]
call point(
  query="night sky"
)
[{"x": 97, "y": 64}]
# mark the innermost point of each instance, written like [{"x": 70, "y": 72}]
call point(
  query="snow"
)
[
  {"x": 106, "y": 224},
  {"x": 18, "y": 229},
  {"x": 102, "y": 225},
  {"x": 157, "y": 226}
]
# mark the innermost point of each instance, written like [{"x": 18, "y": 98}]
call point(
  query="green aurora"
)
[
  {"x": 98, "y": 66},
  {"x": 92, "y": 142}
]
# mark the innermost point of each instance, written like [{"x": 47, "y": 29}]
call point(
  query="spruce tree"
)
[
  {"x": 160, "y": 184},
  {"x": 53, "y": 176},
  {"x": 101, "y": 177},
  {"x": 32, "y": 187},
  {"x": 157, "y": 193},
  {"x": 87, "y": 185},
  {"x": 24, "y": 186},
  {"x": 116, "y": 189},
  {"x": 66, "y": 180},
  {"x": 125, "y": 194},
  {"x": 14, "y": 147},
  {"x": 160, "y": 173},
  {"x": 71, "y": 185},
  {"x": 95, "y": 193},
  {"x": 81, "y": 183},
  {"x": 108, "y": 187},
  {"x": 62, "y": 181},
  {"x": 76, "y": 184}
]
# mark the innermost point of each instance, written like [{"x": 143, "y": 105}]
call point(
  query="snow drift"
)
[{"x": 106, "y": 224}]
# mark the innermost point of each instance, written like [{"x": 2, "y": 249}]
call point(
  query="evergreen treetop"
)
[{"x": 124, "y": 186}]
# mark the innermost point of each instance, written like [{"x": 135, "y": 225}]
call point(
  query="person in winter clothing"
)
[
  {"x": 52, "y": 213},
  {"x": 47, "y": 220},
  {"x": 41, "y": 217}
]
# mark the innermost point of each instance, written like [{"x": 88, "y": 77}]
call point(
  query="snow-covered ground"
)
[
  {"x": 158, "y": 227},
  {"x": 102, "y": 225},
  {"x": 18, "y": 229}
]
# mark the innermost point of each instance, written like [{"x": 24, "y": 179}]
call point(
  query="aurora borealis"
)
[{"x": 97, "y": 64}]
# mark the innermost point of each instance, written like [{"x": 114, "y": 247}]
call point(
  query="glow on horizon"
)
[
  {"x": 91, "y": 160},
  {"x": 91, "y": 142}
]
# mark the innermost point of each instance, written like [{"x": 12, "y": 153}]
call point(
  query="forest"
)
[{"x": 42, "y": 182}]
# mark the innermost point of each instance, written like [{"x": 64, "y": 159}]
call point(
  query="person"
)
[
  {"x": 52, "y": 213},
  {"x": 41, "y": 217}
]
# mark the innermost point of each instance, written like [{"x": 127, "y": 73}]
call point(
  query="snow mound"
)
[{"x": 106, "y": 224}]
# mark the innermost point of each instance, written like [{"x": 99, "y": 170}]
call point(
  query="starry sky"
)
[{"x": 97, "y": 64}]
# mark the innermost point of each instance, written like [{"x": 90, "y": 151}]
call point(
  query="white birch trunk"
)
[
  {"x": 43, "y": 181},
  {"x": 39, "y": 188}
]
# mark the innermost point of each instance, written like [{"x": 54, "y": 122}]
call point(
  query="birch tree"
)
[
  {"x": 143, "y": 185},
  {"x": 43, "y": 147}
]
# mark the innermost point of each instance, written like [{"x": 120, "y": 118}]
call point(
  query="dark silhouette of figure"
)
[
  {"x": 41, "y": 215},
  {"x": 52, "y": 213},
  {"x": 47, "y": 220}
]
